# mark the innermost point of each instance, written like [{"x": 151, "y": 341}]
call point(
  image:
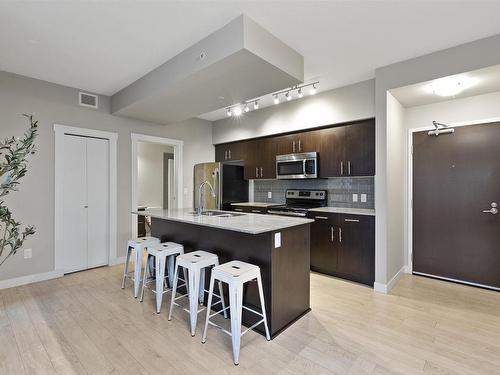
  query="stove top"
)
[{"x": 298, "y": 202}]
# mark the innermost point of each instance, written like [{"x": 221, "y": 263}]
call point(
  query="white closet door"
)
[
  {"x": 74, "y": 220},
  {"x": 98, "y": 201}
]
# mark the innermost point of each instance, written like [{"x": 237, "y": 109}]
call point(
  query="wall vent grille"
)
[{"x": 87, "y": 100}]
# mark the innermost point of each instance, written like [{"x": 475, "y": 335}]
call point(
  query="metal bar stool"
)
[
  {"x": 163, "y": 255},
  {"x": 137, "y": 245},
  {"x": 195, "y": 262},
  {"x": 236, "y": 274}
]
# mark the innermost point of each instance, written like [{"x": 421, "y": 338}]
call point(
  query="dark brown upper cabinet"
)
[
  {"x": 231, "y": 151},
  {"x": 348, "y": 150},
  {"x": 296, "y": 143},
  {"x": 260, "y": 161}
]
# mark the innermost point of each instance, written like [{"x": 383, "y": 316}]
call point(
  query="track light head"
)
[
  {"x": 228, "y": 112},
  {"x": 247, "y": 108},
  {"x": 288, "y": 96},
  {"x": 276, "y": 99},
  {"x": 313, "y": 89},
  {"x": 256, "y": 105},
  {"x": 237, "y": 111},
  {"x": 299, "y": 93}
]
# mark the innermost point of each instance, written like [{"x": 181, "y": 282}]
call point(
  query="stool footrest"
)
[
  {"x": 222, "y": 329},
  {"x": 252, "y": 327},
  {"x": 251, "y": 310}
]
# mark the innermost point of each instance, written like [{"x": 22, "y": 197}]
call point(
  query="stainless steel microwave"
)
[{"x": 297, "y": 166}]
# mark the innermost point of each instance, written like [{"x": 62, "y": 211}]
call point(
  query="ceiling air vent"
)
[{"x": 87, "y": 100}]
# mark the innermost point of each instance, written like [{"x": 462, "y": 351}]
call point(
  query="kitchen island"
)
[{"x": 278, "y": 245}]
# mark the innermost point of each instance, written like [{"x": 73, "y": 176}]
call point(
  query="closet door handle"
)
[{"x": 340, "y": 235}]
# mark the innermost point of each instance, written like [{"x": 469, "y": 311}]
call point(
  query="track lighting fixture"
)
[
  {"x": 256, "y": 105},
  {"x": 247, "y": 108},
  {"x": 276, "y": 99},
  {"x": 300, "y": 94},
  {"x": 228, "y": 112},
  {"x": 288, "y": 96},
  {"x": 237, "y": 111},
  {"x": 313, "y": 89}
]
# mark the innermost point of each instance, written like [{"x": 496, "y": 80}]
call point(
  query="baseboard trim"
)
[
  {"x": 115, "y": 261},
  {"x": 386, "y": 288},
  {"x": 29, "y": 279}
]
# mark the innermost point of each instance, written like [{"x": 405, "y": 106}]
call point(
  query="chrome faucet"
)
[{"x": 199, "y": 209}]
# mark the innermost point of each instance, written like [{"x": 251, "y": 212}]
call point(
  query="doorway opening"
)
[{"x": 156, "y": 177}]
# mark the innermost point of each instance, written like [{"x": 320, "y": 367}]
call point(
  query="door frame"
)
[
  {"x": 60, "y": 131},
  {"x": 409, "y": 190},
  {"x": 178, "y": 164}
]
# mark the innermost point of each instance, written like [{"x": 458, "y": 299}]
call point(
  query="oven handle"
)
[{"x": 284, "y": 213}]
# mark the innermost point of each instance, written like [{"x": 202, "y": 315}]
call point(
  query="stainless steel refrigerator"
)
[{"x": 227, "y": 181}]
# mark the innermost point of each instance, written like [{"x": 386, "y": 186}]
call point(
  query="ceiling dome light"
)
[
  {"x": 313, "y": 90},
  {"x": 237, "y": 111},
  {"x": 247, "y": 108},
  {"x": 300, "y": 94},
  {"x": 256, "y": 105},
  {"x": 450, "y": 86},
  {"x": 288, "y": 96},
  {"x": 228, "y": 112},
  {"x": 276, "y": 99}
]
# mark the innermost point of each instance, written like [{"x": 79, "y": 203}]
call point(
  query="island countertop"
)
[{"x": 245, "y": 223}]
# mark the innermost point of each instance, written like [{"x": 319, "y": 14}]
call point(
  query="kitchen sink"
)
[{"x": 215, "y": 213}]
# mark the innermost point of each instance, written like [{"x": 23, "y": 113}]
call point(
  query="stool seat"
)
[
  {"x": 143, "y": 241},
  {"x": 166, "y": 248},
  {"x": 199, "y": 256},
  {"x": 237, "y": 268}
]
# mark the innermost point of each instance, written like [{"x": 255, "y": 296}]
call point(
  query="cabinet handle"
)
[
  {"x": 349, "y": 167},
  {"x": 225, "y": 155},
  {"x": 321, "y": 217},
  {"x": 352, "y": 220},
  {"x": 293, "y": 147},
  {"x": 300, "y": 146},
  {"x": 340, "y": 235},
  {"x": 230, "y": 157},
  {"x": 238, "y": 209},
  {"x": 331, "y": 233},
  {"x": 342, "y": 168},
  {"x": 257, "y": 211},
  {"x": 261, "y": 172},
  {"x": 257, "y": 172}
]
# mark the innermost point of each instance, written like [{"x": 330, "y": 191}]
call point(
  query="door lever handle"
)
[{"x": 493, "y": 210}]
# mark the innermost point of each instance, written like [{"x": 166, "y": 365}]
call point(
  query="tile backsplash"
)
[{"x": 340, "y": 190}]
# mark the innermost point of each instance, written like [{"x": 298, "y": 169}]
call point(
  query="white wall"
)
[
  {"x": 344, "y": 104},
  {"x": 150, "y": 173},
  {"x": 396, "y": 151},
  {"x": 34, "y": 203}
]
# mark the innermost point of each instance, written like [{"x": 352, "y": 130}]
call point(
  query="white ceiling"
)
[
  {"x": 104, "y": 46},
  {"x": 483, "y": 81}
]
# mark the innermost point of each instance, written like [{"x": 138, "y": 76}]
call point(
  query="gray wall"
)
[
  {"x": 347, "y": 103},
  {"x": 34, "y": 203},
  {"x": 463, "y": 58}
]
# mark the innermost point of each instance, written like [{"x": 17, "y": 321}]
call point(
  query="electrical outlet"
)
[
  {"x": 28, "y": 253},
  {"x": 363, "y": 198},
  {"x": 355, "y": 197},
  {"x": 277, "y": 240},
  {"x": 269, "y": 194}
]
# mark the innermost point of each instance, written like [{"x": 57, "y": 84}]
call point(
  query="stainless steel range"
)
[{"x": 298, "y": 202}]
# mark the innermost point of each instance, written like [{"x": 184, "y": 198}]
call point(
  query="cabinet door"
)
[
  {"x": 356, "y": 236},
  {"x": 236, "y": 151},
  {"x": 220, "y": 152},
  {"x": 286, "y": 144},
  {"x": 324, "y": 248},
  {"x": 360, "y": 149},
  {"x": 309, "y": 141},
  {"x": 332, "y": 152},
  {"x": 251, "y": 159},
  {"x": 266, "y": 152}
]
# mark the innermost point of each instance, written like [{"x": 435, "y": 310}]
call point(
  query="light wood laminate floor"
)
[{"x": 85, "y": 324}]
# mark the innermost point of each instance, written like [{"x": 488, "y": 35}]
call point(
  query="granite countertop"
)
[
  {"x": 246, "y": 223},
  {"x": 344, "y": 210},
  {"x": 255, "y": 204}
]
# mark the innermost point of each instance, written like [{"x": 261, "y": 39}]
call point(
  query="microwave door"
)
[{"x": 290, "y": 169}]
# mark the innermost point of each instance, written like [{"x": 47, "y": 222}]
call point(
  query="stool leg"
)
[
  {"x": 174, "y": 291},
  {"x": 263, "y": 306},
  {"x": 202, "y": 286},
  {"x": 209, "y": 305},
  {"x": 160, "y": 279},
  {"x": 236, "y": 307},
  {"x": 170, "y": 268},
  {"x": 194, "y": 292},
  {"x": 137, "y": 269},
  {"x": 147, "y": 271},
  {"x": 221, "y": 293},
  {"x": 125, "y": 272}
]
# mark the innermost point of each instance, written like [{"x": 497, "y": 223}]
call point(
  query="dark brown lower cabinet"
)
[
  {"x": 249, "y": 209},
  {"x": 344, "y": 246}
]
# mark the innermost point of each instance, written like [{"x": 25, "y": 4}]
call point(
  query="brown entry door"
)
[{"x": 456, "y": 177}]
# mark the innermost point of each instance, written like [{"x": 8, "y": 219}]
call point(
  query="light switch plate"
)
[
  {"x": 277, "y": 240},
  {"x": 363, "y": 198},
  {"x": 269, "y": 194},
  {"x": 355, "y": 197},
  {"x": 28, "y": 253}
]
